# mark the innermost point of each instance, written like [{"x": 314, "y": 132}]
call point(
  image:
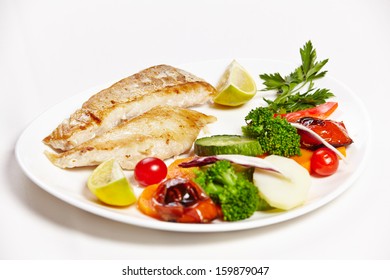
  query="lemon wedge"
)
[
  {"x": 235, "y": 87},
  {"x": 110, "y": 185}
]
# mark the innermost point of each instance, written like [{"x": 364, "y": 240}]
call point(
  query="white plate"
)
[{"x": 70, "y": 185}]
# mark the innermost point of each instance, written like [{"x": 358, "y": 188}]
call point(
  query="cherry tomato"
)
[
  {"x": 150, "y": 171},
  {"x": 324, "y": 162}
]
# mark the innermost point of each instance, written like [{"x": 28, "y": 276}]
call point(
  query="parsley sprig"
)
[{"x": 289, "y": 98}]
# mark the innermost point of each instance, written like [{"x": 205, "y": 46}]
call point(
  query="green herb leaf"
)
[
  {"x": 273, "y": 81},
  {"x": 288, "y": 98},
  {"x": 299, "y": 101}
]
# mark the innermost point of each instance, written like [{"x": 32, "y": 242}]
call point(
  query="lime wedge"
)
[
  {"x": 110, "y": 185},
  {"x": 235, "y": 87}
]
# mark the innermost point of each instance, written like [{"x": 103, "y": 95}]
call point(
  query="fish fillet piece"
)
[
  {"x": 163, "y": 132},
  {"x": 130, "y": 97}
]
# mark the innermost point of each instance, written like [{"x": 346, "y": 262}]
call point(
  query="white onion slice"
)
[
  {"x": 250, "y": 161},
  {"x": 238, "y": 159}
]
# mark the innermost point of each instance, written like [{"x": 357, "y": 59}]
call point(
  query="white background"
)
[{"x": 50, "y": 50}]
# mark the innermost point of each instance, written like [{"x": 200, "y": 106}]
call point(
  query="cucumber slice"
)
[{"x": 227, "y": 144}]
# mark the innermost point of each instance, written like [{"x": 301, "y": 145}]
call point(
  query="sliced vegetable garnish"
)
[
  {"x": 177, "y": 200},
  {"x": 199, "y": 161},
  {"x": 333, "y": 132},
  {"x": 174, "y": 170},
  {"x": 238, "y": 159},
  {"x": 321, "y": 112},
  {"x": 227, "y": 144},
  {"x": 326, "y": 144},
  {"x": 279, "y": 192}
]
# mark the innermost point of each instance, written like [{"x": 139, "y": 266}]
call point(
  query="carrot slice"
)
[
  {"x": 144, "y": 202},
  {"x": 174, "y": 170},
  {"x": 305, "y": 158}
]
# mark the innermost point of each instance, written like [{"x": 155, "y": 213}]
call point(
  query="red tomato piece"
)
[
  {"x": 324, "y": 162},
  {"x": 321, "y": 112},
  {"x": 149, "y": 171}
]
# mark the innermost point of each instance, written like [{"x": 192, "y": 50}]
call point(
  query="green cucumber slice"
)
[{"x": 227, "y": 144}]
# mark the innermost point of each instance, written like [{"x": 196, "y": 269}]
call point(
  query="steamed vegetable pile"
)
[{"x": 269, "y": 167}]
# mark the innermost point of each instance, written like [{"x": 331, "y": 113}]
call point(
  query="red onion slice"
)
[{"x": 238, "y": 159}]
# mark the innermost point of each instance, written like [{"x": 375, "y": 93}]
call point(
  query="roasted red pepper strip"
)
[
  {"x": 321, "y": 112},
  {"x": 331, "y": 131},
  {"x": 178, "y": 200}
]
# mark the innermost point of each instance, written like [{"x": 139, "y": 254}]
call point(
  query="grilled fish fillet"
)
[
  {"x": 163, "y": 132},
  {"x": 126, "y": 99}
]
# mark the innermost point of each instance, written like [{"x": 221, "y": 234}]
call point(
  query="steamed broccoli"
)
[
  {"x": 275, "y": 135},
  {"x": 237, "y": 196}
]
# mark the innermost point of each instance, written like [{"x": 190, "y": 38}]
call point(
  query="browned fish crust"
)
[{"x": 129, "y": 97}]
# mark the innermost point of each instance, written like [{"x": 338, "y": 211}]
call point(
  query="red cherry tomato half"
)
[
  {"x": 150, "y": 171},
  {"x": 324, "y": 162}
]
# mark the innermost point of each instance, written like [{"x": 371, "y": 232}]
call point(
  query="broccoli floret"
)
[
  {"x": 275, "y": 135},
  {"x": 238, "y": 197}
]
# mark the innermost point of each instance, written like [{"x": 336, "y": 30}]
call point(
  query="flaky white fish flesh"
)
[
  {"x": 128, "y": 98},
  {"x": 163, "y": 132}
]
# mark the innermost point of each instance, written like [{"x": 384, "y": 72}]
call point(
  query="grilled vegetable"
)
[
  {"x": 177, "y": 200},
  {"x": 331, "y": 131}
]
